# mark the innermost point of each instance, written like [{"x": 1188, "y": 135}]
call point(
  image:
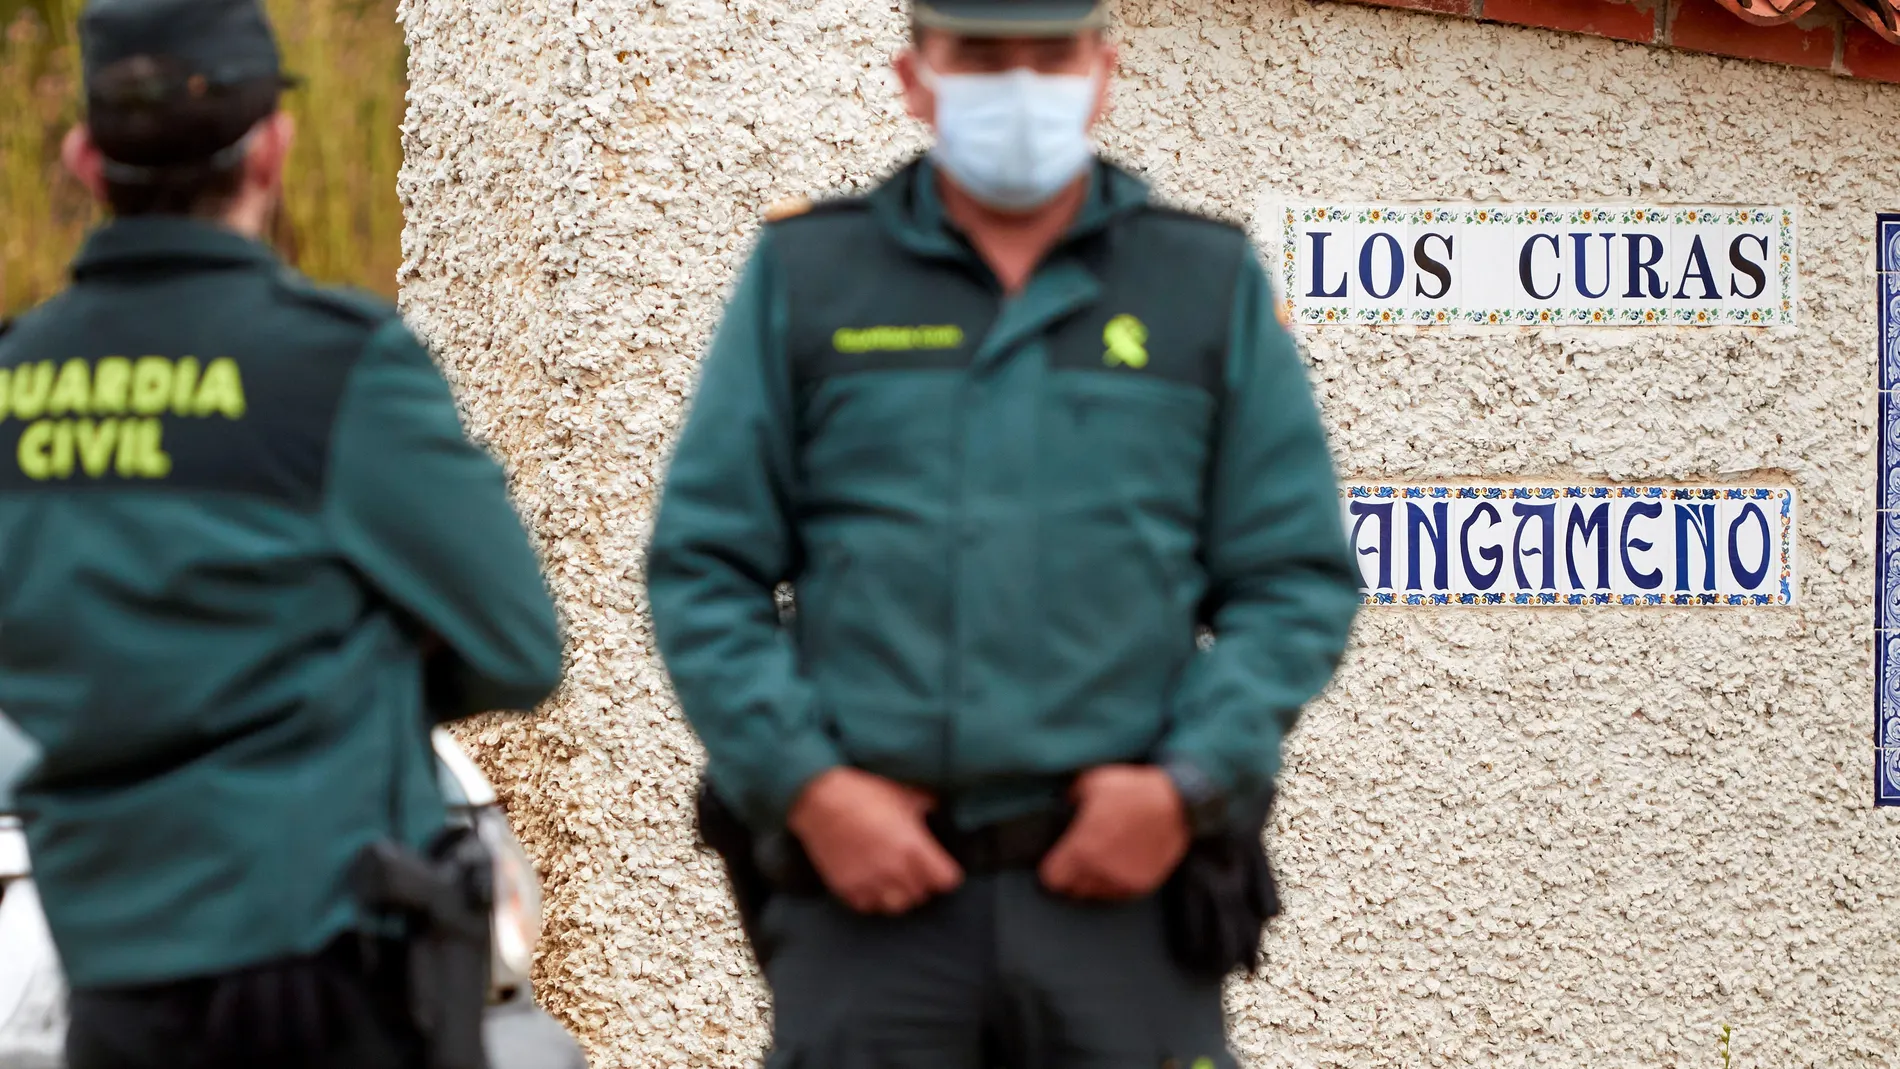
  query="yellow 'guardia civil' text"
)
[{"x": 62, "y": 403}]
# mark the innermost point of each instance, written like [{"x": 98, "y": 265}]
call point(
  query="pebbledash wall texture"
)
[{"x": 1538, "y": 837}]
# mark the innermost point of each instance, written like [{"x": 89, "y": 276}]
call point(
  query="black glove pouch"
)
[{"x": 1219, "y": 901}]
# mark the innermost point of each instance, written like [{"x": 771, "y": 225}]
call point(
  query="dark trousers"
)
[
  {"x": 343, "y": 1008},
  {"x": 997, "y": 975}
]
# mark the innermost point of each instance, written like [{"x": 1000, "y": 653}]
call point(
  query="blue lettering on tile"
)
[{"x": 1574, "y": 545}]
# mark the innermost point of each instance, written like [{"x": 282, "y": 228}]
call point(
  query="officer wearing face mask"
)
[{"x": 1047, "y": 478}]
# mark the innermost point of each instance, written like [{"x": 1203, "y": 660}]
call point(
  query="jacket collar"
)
[
  {"x": 151, "y": 241},
  {"x": 910, "y": 210}
]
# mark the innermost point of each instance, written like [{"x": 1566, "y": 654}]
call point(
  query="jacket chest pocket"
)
[
  {"x": 1127, "y": 439},
  {"x": 1123, "y": 465}
]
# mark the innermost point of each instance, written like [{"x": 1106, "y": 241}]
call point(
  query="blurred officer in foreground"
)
[
  {"x": 1015, "y": 434},
  {"x": 247, "y": 559}
]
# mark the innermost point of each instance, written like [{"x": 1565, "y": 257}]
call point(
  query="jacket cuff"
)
[
  {"x": 802, "y": 760},
  {"x": 1204, "y": 800}
]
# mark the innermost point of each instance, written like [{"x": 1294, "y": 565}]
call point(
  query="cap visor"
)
[{"x": 1054, "y": 19}]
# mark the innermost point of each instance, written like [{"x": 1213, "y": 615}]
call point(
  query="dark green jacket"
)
[
  {"x": 1005, "y": 520},
  {"x": 232, "y": 506}
]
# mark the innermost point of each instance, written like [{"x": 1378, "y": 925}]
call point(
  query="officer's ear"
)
[
  {"x": 1108, "y": 58},
  {"x": 919, "y": 102},
  {"x": 84, "y": 161},
  {"x": 270, "y": 152}
]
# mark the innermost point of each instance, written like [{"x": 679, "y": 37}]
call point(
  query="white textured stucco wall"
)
[{"x": 1510, "y": 837}]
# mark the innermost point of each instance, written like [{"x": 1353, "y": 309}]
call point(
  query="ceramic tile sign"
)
[
  {"x": 1529, "y": 265},
  {"x": 1572, "y": 545},
  {"x": 1887, "y": 523}
]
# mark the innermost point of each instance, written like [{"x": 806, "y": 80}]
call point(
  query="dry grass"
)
[
  {"x": 42, "y": 216},
  {"x": 341, "y": 220}
]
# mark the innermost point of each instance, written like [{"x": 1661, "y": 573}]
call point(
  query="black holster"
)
[
  {"x": 447, "y": 895},
  {"x": 1219, "y": 901}
]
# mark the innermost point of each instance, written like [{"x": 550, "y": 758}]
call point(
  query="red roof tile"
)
[
  {"x": 1859, "y": 38},
  {"x": 1880, "y": 16},
  {"x": 1768, "y": 12}
]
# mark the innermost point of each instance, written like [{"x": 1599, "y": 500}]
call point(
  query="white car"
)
[{"x": 33, "y": 991}]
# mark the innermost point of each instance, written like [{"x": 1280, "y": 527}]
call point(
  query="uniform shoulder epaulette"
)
[
  {"x": 794, "y": 207},
  {"x": 789, "y": 208},
  {"x": 357, "y": 305}
]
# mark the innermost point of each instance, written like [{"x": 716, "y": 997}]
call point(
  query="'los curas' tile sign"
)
[
  {"x": 1519, "y": 265},
  {"x": 1572, "y": 545}
]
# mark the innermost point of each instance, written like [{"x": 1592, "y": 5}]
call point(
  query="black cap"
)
[
  {"x": 1010, "y": 18},
  {"x": 202, "y": 44}
]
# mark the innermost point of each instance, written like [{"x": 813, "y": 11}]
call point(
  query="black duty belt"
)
[
  {"x": 1019, "y": 843},
  {"x": 1009, "y": 845}
]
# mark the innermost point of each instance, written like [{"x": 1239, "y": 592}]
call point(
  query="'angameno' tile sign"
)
[
  {"x": 1572, "y": 545},
  {"x": 1516, "y": 265}
]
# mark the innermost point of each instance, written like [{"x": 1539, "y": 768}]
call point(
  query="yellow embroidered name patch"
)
[{"x": 895, "y": 339}]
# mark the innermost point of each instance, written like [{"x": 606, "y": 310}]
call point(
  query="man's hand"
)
[
  {"x": 1130, "y": 831},
  {"x": 866, "y": 837}
]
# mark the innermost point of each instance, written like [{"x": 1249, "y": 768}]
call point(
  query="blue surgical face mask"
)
[{"x": 1012, "y": 140}]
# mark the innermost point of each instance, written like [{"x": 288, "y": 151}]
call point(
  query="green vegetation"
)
[{"x": 342, "y": 221}]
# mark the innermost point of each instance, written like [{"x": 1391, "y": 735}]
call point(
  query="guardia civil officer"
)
[
  {"x": 1015, "y": 434},
  {"x": 247, "y": 559}
]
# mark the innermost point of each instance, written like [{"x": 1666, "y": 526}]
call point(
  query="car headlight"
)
[{"x": 517, "y": 904}]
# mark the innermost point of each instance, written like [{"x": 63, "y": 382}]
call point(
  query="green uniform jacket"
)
[
  {"x": 1006, "y": 519},
  {"x": 233, "y": 506}
]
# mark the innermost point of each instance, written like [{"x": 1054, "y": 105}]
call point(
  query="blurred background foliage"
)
[{"x": 341, "y": 220}]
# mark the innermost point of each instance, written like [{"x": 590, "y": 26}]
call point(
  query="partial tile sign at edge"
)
[{"x": 1887, "y": 516}]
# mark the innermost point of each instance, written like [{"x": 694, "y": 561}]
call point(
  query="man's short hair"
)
[{"x": 173, "y": 143}]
